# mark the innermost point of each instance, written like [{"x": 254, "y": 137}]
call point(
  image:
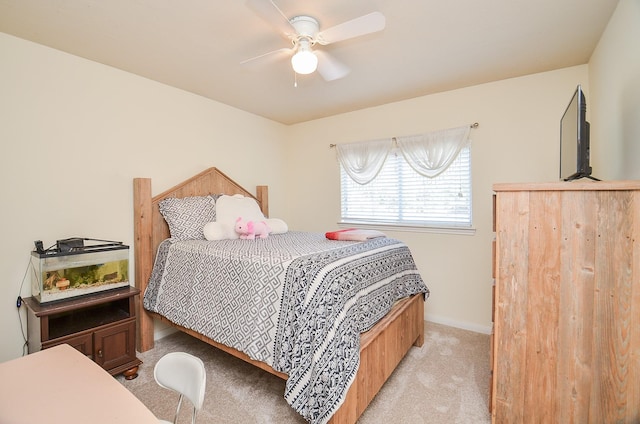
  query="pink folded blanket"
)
[{"x": 354, "y": 234}]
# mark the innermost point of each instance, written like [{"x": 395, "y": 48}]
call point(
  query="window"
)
[{"x": 400, "y": 196}]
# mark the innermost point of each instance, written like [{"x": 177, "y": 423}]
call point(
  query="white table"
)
[{"x": 61, "y": 385}]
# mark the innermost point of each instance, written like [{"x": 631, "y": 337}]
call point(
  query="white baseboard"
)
[
  {"x": 162, "y": 330},
  {"x": 458, "y": 324}
]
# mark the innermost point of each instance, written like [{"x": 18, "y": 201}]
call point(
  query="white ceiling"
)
[{"x": 427, "y": 46}]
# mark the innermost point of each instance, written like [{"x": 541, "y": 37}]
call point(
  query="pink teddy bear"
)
[{"x": 249, "y": 229}]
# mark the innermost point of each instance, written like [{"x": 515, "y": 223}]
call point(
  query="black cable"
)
[{"x": 19, "y": 304}]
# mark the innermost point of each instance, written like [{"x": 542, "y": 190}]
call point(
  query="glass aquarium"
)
[{"x": 58, "y": 276}]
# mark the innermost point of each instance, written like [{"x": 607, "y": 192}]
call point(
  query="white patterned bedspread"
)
[{"x": 295, "y": 301}]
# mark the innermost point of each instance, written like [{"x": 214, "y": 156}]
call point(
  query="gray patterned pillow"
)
[{"x": 187, "y": 216}]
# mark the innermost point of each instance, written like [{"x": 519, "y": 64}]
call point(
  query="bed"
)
[{"x": 382, "y": 344}]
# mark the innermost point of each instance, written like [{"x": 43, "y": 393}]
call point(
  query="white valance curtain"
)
[
  {"x": 428, "y": 154},
  {"x": 363, "y": 161}
]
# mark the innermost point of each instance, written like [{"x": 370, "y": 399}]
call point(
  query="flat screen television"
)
[{"x": 574, "y": 139}]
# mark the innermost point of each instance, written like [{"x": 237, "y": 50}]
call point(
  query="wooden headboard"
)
[{"x": 150, "y": 228}]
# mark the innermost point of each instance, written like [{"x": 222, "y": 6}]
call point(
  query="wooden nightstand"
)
[{"x": 102, "y": 326}]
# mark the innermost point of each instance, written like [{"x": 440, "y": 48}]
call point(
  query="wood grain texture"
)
[
  {"x": 542, "y": 306},
  {"x": 576, "y": 314},
  {"x": 381, "y": 350},
  {"x": 566, "y": 186},
  {"x": 143, "y": 250},
  {"x": 511, "y": 307},
  {"x": 567, "y": 314},
  {"x": 382, "y": 347}
]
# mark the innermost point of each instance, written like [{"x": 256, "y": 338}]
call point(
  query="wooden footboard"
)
[
  {"x": 381, "y": 350},
  {"x": 382, "y": 347}
]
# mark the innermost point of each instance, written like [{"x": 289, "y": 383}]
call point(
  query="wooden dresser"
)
[{"x": 566, "y": 340}]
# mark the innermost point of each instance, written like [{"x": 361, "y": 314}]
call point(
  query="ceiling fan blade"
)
[
  {"x": 267, "y": 58},
  {"x": 365, "y": 24},
  {"x": 270, "y": 12},
  {"x": 329, "y": 67}
]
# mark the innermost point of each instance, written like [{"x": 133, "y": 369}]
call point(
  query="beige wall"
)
[
  {"x": 517, "y": 141},
  {"x": 75, "y": 133},
  {"x": 614, "y": 77}
]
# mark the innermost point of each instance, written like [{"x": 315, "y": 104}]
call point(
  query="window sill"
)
[{"x": 466, "y": 231}]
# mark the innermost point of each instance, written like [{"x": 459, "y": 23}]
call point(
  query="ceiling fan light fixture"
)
[
  {"x": 304, "y": 61},
  {"x": 304, "y": 32}
]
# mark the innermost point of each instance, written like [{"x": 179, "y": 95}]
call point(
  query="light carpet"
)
[{"x": 444, "y": 381}]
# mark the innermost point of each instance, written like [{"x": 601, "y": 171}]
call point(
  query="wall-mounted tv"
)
[{"x": 574, "y": 139}]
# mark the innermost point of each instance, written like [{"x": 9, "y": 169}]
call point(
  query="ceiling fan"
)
[{"x": 304, "y": 34}]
